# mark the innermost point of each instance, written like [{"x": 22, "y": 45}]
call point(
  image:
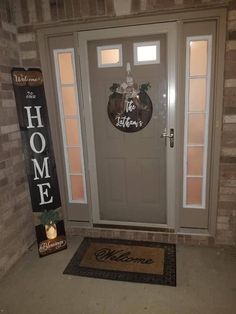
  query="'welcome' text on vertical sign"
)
[{"x": 39, "y": 156}]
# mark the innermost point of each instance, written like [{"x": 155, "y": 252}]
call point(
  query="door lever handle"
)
[
  {"x": 170, "y": 136},
  {"x": 164, "y": 134}
]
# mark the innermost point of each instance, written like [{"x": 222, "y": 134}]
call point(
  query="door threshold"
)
[
  {"x": 131, "y": 227},
  {"x": 194, "y": 231}
]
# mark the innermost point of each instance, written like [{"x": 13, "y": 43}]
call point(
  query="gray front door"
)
[{"x": 131, "y": 167}]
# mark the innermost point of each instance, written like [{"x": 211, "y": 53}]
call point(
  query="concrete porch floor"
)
[{"x": 206, "y": 283}]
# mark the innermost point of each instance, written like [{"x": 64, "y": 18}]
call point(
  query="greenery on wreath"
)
[
  {"x": 49, "y": 217},
  {"x": 114, "y": 87},
  {"x": 144, "y": 87}
]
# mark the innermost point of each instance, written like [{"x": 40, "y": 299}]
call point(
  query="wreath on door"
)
[{"x": 129, "y": 106}]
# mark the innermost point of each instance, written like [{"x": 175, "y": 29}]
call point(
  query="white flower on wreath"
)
[{"x": 124, "y": 86}]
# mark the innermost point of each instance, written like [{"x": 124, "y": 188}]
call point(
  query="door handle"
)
[{"x": 170, "y": 136}]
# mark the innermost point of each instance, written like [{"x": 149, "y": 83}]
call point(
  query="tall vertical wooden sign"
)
[{"x": 40, "y": 161}]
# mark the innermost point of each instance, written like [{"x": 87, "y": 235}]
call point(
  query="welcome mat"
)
[{"x": 135, "y": 261}]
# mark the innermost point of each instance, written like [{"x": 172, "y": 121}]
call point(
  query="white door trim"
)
[{"x": 142, "y": 30}]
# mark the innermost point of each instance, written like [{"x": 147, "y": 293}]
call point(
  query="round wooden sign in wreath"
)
[{"x": 129, "y": 110}]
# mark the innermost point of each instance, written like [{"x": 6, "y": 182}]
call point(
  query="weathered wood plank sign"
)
[{"x": 40, "y": 161}]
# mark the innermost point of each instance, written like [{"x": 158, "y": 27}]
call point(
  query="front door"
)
[{"x": 131, "y": 114}]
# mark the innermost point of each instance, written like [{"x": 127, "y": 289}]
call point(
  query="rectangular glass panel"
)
[
  {"x": 196, "y": 128},
  {"x": 72, "y": 132},
  {"x": 74, "y": 159},
  {"x": 77, "y": 187},
  {"x": 195, "y": 161},
  {"x": 110, "y": 56},
  {"x": 197, "y": 80},
  {"x": 197, "y": 94},
  {"x": 66, "y": 68},
  {"x": 194, "y": 191},
  {"x": 70, "y": 124},
  {"x": 69, "y": 101},
  {"x": 198, "y": 57},
  {"x": 146, "y": 53}
]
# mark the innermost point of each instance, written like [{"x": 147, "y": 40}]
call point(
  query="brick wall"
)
[
  {"x": 16, "y": 227},
  {"x": 18, "y": 46},
  {"x": 226, "y": 220}
]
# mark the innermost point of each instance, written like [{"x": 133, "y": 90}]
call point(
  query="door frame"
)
[
  {"x": 71, "y": 28},
  {"x": 111, "y": 33}
]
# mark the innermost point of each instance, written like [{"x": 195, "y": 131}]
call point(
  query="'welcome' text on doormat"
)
[{"x": 136, "y": 261}]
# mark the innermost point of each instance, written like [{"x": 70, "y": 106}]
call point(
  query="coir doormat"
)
[{"x": 135, "y": 261}]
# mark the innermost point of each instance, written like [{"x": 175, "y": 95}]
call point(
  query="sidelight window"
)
[
  {"x": 70, "y": 124},
  {"x": 197, "y": 96}
]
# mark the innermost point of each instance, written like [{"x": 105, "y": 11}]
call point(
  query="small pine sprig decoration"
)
[
  {"x": 114, "y": 87},
  {"x": 144, "y": 87},
  {"x": 49, "y": 217}
]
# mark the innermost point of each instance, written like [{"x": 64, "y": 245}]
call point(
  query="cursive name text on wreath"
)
[{"x": 129, "y": 107}]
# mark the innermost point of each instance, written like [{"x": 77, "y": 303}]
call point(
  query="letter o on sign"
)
[{"x": 32, "y": 142}]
